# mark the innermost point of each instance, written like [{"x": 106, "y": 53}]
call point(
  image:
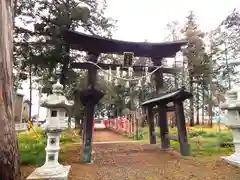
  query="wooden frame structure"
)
[
  {"x": 94, "y": 46},
  {"x": 177, "y": 97}
]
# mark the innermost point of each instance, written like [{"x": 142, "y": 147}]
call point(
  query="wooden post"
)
[
  {"x": 9, "y": 156},
  {"x": 163, "y": 124},
  {"x": 162, "y": 117},
  {"x": 134, "y": 128},
  {"x": 89, "y": 98},
  {"x": 182, "y": 132},
  {"x": 76, "y": 110},
  {"x": 87, "y": 132},
  {"x": 137, "y": 128},
  {"x": 92, "y": 70},
  {"x": 150, "y": 117},
  {"x": 129, "y": 125}
]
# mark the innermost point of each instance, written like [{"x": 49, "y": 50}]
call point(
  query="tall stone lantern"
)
[
  {"x": 232, "y": 105},
  {"x": 56, "y": 105}
]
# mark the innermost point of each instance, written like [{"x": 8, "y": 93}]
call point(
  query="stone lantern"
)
[
  {"x": 56, "y": 105},
  {"x": 232, "y": 105}
]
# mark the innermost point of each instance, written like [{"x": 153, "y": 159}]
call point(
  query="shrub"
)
[
  {"x": 206, "y": 141},
  {"x": 32, "y": 147},
  {"x": 192, "y": 134},
  {"x": 226, "y": 140}
]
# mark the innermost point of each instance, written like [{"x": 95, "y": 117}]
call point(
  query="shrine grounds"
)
[{"x": 136, "y": 160}]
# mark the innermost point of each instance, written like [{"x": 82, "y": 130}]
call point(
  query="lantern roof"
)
[{"x": 57, "y": 99}]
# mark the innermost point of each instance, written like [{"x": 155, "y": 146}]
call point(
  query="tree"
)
[
  {"x": 9, "y": 155},
  {"x": 232, "y": 23},
  {"x": 175, "y": 34},
  {"x": 224, "y": 46},
  {"x": 194, "y": 53},
  {"x": 44, "y": 48},
  {"x": 226, "y": 43}
]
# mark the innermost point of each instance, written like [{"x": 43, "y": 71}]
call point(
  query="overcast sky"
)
[
  {"x": 146, "y": 19},
  {"x": 139, "y": 20}
]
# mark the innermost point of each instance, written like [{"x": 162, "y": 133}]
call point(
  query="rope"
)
[{"x": 124, "y": 79}]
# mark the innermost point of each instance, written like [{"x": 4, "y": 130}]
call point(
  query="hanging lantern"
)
[
  {"x": 148, "y": 78},
  {"x": 117, "y": 75},
  {"x": 130, "y": 72},
  {"x": 116, "y": 82},
  {"x": 127, "y": 85},
  {"x": 106, "y": 76},
  {"x": 110, "y": 74},
  {"x": 124, "y": 73},
  {"x": 118, "y": 72},
  {"x": 139, "y": 84}
]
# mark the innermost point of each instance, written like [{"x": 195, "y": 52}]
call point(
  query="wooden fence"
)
[{"x": 127, "y": 125}]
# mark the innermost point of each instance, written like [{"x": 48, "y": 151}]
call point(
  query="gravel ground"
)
[
  {"x": 137, "y": 161},
  {"x": 105, "y": 136}
]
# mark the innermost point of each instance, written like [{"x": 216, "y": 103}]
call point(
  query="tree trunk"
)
[
  {"x": 9, "y": 154},
  {"x": 191, "y": 100},
  {"x": 210, "y": 88},
  {"x": 203, "y": 101},
  {"x": 197, "y": 115}
]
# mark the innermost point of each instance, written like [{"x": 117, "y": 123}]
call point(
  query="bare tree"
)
[{"x": 9, "y": 154}]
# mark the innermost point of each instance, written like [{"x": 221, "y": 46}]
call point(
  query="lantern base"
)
[
  {"x": 234, "y": 159},
  {"x": 39, "y": 174}
]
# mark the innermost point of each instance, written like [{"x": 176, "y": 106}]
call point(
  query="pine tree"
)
[{"x": 194, "y": 53}]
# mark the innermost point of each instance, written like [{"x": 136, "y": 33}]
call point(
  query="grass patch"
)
[
  {"x": 32, "y": 147},
  {"x": 203, "y": 141}
]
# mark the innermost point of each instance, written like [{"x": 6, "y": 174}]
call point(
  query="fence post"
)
[{"x": 137, "y": 128}]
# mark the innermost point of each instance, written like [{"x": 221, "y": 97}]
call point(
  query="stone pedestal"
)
[
  {"x": 234, "y": 159},
  {"x": 59, "y": 172},
  {"x": 51, "y": 169},
  {"x": 233, "y": 122}
]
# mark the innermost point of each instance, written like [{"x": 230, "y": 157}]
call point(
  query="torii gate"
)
[{"x": 94, "y": 46}]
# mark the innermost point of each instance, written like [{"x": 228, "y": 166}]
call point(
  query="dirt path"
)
[
  {"x": 107, "y": 135},
  {"x": 139, "y": 162},
  {"x": 135, "y": 161}
]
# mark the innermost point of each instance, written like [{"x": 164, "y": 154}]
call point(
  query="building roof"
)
[
  {"x": 98, "y": 44},
  {"x": 165, "y": 98}
]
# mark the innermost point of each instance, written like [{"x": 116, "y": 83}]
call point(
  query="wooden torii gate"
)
[
  {"x": 94, "y": 46},
  {"x": 9, "y": 155}
]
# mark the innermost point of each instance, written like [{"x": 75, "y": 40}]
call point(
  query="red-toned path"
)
[{"x": 104, "y": 135}]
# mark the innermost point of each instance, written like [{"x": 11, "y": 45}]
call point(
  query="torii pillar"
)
[
  {"x": 162, "y": 111},
  {"x": 89, "y": 98}
]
